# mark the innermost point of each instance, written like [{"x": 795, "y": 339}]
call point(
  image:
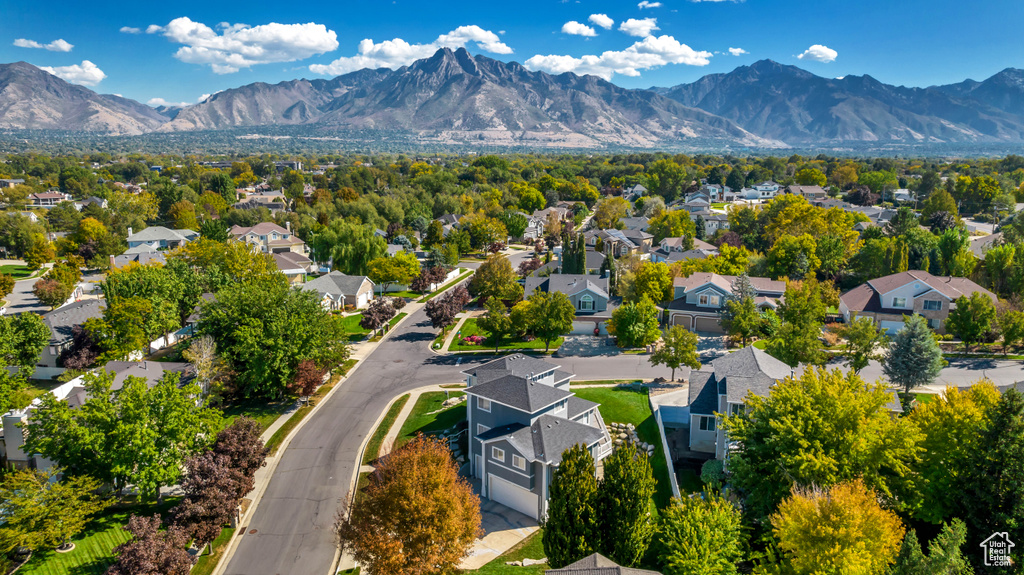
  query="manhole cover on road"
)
[{"x": 252, "y": 531}]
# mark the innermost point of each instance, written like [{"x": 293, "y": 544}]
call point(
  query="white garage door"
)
[
  {"x": 583, "y": 328},
  {"x": 891, "y": 327},
  {"x": 511, "y": 495}
]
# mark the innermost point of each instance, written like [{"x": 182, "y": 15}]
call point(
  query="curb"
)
[{"x": 272, "y": 467}]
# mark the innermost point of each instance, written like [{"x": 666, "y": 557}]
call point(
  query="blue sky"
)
[{"x": 177, "y": 52}]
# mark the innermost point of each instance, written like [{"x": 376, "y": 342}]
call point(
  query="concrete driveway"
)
[{"x": 503, "y": 529}]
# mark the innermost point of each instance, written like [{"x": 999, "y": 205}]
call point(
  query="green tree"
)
[
  {"x": 914, "y": 358},
  {"x": 400, "y": 268},
  {"x": 496, "y": 278},
  {"x": 951, "y": 426},
  {"x": 653, "y": 281},
  {"x": 793, "y": 257},
  {"x": 971, "y": 317},
  {"x": 349, "y": 247},
  {"x": 263, "y": 329},
  {"x": 6, "y": 285},
  {"x": 944, "y": 554},
  {"x": 821, "y": 428},
  {"x": 862, "y": 537},
  {"x": 435, "y": 234},
  {"x": 992, "y": 489},
  {"x": 222, "y": 184},
  {"x": 570, "y": 532},
  {"x": 496, "y": 321},
  {"x": 702, "y": 534},
  {"x": 794, "y": 344},
  {"x": 679, "y": 348},
  {"x": 136, "y": 435},
  {"x": 22, "y": 339},
  {"x": 862, "y": 337},
  {"x": 810, "y": 177},
  {"x": 609, "y": 211},
  {"x": 635, "y": 324},
  {"x": 44, "y": 513},
  {"x": 1011, "y": 327},
  {"x": 743, "y": 319},
  {"x": 674, "y": 224},
  {"x": 552, "y": 315},
  {"x": 215, "y": 230},
  {"x": 624, "y": 502}
]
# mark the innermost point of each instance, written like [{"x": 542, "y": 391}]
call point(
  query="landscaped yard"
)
[
  {"x": 352, "y": 329},
  {"x": 470, "y": 328},
  {"x": 375, "y": 442},
  {"x": 423, "y": 418},
  {"x": 263, "y": 411},
  {"x": 463, "y": 274},
  {"x": 530, "y": 548},
  {"x": 94, "y": 547},
  {"x": 628, "y": 406},
  {"x": 19, "y": 272}
]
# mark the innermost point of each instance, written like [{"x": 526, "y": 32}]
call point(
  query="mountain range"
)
[{"x": 454, "y": 97}]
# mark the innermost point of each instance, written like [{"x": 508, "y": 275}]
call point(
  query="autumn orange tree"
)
[{"x": 416, "y": 516}]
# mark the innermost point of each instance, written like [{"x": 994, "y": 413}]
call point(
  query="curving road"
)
[{"x": 294, "y": 518}]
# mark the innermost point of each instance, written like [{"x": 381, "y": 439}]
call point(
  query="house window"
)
[
  {"x": 707, "y": 423},
  {"x": 932, "y": 305},
  {"x": 586, "y": 303},
  {"x": 498, "y": 454},
  {"x": 483, "y": 404},
  {"x": 481, "y": 428},
  {"x": 704, "y": 300},
  {"x": 735, "y": 408},
  {"x": 712, "y": 300},
  {"x": 518, "y": 462},
  {"x": 935, "y": 323},
  {"x": 899, "y": 302}
]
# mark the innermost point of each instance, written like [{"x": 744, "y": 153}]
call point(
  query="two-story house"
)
[
  {"x": 269, "y": 237},
  {"x": 887, "y": 300},
  {"x": 62, "y": 322},
  {"x": 698, "y": 300},
  {"x": 588, "y": 294},
  {"x": 767, "y": 190},
  {"x": 522, "y": 417},
  {"x": 672, "y": 250},
  {"x": 48, "y": 199},
  {"x": 614, "y": 243}
]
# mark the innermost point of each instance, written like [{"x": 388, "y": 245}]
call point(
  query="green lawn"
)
[
  {"x": 19, "y": 272},
  {"x": 603, "y": 382},
  {"x": 263, "y": 411},
  {"x": 689, "y": 481},
  {"x": 392, "y": 324},
  {"x": 443, "y": 288},
  {"x": 405, "y": 294},
  {"x": 923, "y": 398},
  {"x": 352, "y": 329},
  {"x": 373, "y": 445},
  {"x": 423, "y": 419},
  {"x": 94, "y": 547},
  {"x": 628, "y": 406},
  {"x": 207, "y": 563},
  {"x": 761, "y": 344},
  {"x": 470, "y": 328},
  {"x": 529, "y": 548}
]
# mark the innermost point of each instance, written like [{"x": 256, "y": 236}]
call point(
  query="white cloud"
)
[
  {"x": 203, "y": 98},
  {"x": 645, "y": 4},
  {"x": 650, "y": 52},
  {"x": 737, "y": 51},
  {"x": 576, "y": 29},
  {"x": 86, "y": 73},
  {"x": 130, "y": 30},
  {"x": 397, "y": 52},
  {"x": 601, "y": 20},
  {"x": 819, "y": 53},
  {"x": 58, "y": 45},
  {"x": 240, "y": 46},
  {"x": 642, "y": 27},
  {"x": 157, "y": 102}
]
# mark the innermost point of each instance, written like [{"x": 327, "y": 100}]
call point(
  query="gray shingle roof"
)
[
  {"x": 547, "y": 439},
  {"x": 597, "y": 564},
  {"x": 568, "y": 284},
  {"x": 703, "y": 392},
  {"x": 578, "y": 406},
  {"x": 61, "y": 321},
  {"x": 158, "y": 233},
  {"x": 520, "y": 393},
  {"x": 512, "y": 364},
  {"x": 335, "y": 283}
]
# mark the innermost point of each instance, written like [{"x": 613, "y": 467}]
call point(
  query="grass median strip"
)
[
  {"x": 373, "y": 446},
  {"x": 207, "y": 563}
]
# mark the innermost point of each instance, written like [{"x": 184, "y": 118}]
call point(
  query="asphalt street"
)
[
  {"x": 293, "y": 523},
  {"x": 23, "y": 300}
]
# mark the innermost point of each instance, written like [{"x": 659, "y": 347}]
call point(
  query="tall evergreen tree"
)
[
  {"x": 914, "y": 359},
  {"x": 700, "y": 232},
  {"x": 570, "y": 531},
  {"x": 625, "y": 523}
]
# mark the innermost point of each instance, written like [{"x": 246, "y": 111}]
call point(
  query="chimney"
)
[
  {"x": 111, "y": 261},
  {"x": 288, "y": 226},
  {"x": 129, "y": 232}
]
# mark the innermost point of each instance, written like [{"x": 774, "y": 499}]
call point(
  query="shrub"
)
[
  {"x": 712, "y": 472},
  {"x": 830, "y": 338},
  {"x": 474, "y": 339},
  {"x": 397, "y": 302}
]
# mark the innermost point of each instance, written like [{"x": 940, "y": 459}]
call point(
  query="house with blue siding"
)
[{"x": 522, "y": 417}]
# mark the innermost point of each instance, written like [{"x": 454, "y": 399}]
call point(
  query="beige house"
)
[
  {"x": 269, "y": 238},
  {"x": 887, "y": 300},
  {"x": 698, "y": 300},
  {"x": 338, "y": 290}
]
